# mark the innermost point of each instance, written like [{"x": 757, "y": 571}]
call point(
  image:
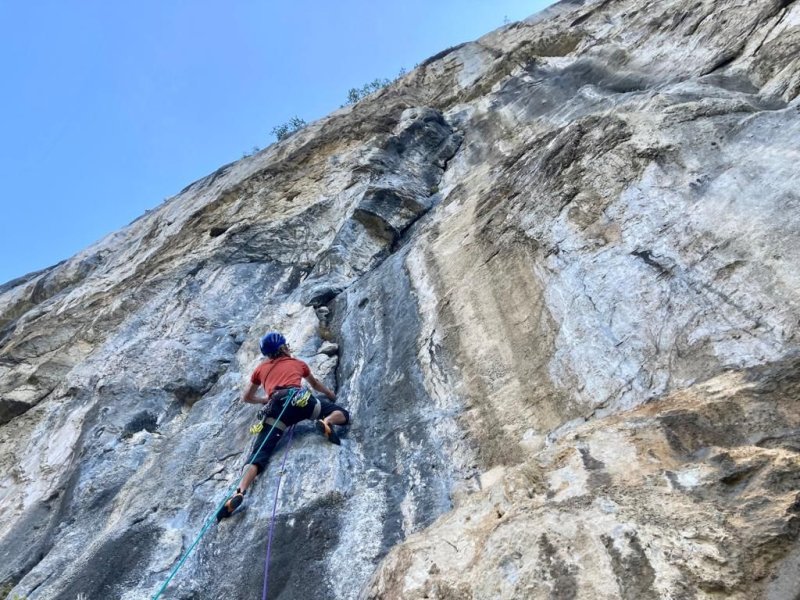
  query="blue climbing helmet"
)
[{"x": 271, "y": 343}]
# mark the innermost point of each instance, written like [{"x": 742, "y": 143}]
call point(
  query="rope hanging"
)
[
  {"x": 274, "y": 509},
  {"x": 211, "y": 519}
]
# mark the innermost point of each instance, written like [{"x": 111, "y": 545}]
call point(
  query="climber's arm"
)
[
  {"x": 320, "y": 387},
  {"x": 250, "y": 395}
]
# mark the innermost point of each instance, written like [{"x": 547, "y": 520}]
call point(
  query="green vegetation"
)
[
  {"x": 354, "y": 95},
  {"x": 5, "y": 591},
  {"x": 284, "y": 130}
]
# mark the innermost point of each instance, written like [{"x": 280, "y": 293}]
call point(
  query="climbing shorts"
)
[{"x": 329, "y": 408}]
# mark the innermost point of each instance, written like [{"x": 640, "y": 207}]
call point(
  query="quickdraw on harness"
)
[{"x": 299, "y": 399}]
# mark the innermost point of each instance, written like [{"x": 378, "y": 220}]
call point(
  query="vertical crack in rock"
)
[
  {"x": 399, "y": 177},
  {"x": 400, "y": 431}
]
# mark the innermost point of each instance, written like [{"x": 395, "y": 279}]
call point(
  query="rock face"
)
[
  {"x": 552, "y": 274},
  {"x": 676, "y": 499}
]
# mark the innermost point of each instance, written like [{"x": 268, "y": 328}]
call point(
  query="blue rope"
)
[{"x": 210, "y": 520}]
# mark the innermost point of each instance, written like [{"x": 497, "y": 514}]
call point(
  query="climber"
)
[{"x": 280, "y": 376}]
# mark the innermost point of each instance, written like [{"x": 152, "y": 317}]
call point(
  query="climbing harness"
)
[
  {"x": 212, "y": 518},
  {"x": 298, "y": 399},
  {"x": 281, "y": 472}
]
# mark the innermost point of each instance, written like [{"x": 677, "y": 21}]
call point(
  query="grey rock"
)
[{"x": 328, "y": 348}]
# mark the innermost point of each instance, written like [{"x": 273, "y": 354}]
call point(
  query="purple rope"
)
[{"x": 274, "y": 509}]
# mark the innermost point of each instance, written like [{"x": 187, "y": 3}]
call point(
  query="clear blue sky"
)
[{"x": 108, "y": 108}]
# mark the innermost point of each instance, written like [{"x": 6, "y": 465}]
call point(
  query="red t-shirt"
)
[{"x": 284, "y": 371}]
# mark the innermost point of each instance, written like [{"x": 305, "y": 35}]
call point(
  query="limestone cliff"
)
[{"x": 560, "y": 264}]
